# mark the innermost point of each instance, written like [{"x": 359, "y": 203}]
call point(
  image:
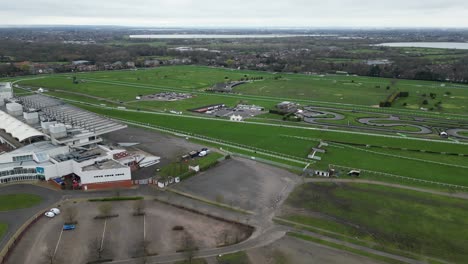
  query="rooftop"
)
[
  {"x": 16, "y": 128},
  {"x": 104, "y": 165},
  {"x": 80, "y": 156}
]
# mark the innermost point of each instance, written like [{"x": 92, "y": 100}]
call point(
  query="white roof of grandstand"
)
[{"x": 16, "y": 128}]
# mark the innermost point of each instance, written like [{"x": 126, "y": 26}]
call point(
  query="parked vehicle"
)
[
  {"x": 69, "y": 227},
  {"x": 49, "y": 214},
  {"x": 56, "y": 211}
]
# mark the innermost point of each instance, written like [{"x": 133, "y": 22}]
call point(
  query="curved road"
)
[
  {"x": 313, "y": 115},
  {"x": 370, "y": 122},
  {"x": 455, "y": 132}
]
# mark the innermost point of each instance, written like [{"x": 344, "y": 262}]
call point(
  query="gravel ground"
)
[{"x": 240, "y": 182}]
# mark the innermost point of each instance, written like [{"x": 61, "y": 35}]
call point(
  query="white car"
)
[
  {"x": 56, "y": 211},
  {"x": 49, "y": 214}
]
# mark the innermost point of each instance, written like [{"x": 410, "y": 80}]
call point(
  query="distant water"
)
[
  {"x": 220, "y": 36},
  {"x": 436, "y": 45}
]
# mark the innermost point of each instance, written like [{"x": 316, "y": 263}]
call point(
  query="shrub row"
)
[{"x": 391, "y": 98}]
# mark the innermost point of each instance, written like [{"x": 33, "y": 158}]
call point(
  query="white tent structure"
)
[{"x": 17, "y": 129}]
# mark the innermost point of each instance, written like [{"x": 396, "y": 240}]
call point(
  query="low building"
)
[
  {"x": 236, "y": 118},
  {"x": 322, "y": 173},
  {"x": 250, "y": 107},
  {"x": 44, "y": 160},
  {"x": 287, "y": 107}
]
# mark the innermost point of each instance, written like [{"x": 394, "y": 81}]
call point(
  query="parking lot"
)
[
  {"x": 120, "y": 237},
  {"x": 243, "y": 183}
]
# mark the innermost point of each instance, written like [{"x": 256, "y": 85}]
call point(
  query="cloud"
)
[{"x": 260, "y": 13}]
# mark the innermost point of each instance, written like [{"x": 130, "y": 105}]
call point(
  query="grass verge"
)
[
  {"x": 234, "y": 258},
  {"x": 18, "y": 201},
  {"x": 345, "y": 248}
]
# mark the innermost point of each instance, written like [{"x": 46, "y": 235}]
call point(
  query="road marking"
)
[
  {"x": 144, "y": 227},
  {"x": 58, "y": 242},
  {"x": 103, "y": 235}
]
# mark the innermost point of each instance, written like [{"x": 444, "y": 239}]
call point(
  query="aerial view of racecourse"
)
[{"x": 233, "y": 132}]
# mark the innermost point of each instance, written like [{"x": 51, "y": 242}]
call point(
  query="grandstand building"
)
[{"x": 43, "y": 138}]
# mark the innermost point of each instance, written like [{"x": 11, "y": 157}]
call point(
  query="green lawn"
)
[
  {"x": 234, "y": 258},
  {"x": 345, "y": 248},
  {"x": 3, "y": 229},
  {"x": 358, "y": 90},
  {"x": 393, "y": 218},
  {"x": 18, "y": 201},
  {"x": 298, "y": 143}
]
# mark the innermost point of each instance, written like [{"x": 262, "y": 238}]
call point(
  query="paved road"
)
[
  {"x": 15, "y": 219},
  {"x": 455, "y": 133},
  {"x": 371, "y": 122}
]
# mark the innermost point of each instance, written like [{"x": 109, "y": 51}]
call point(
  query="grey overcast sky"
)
[{"x": 237, "y": 13}]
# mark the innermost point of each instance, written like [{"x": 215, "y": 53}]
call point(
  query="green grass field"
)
[
  {"x": 298, "y": 143},
  {"x": 339, "y": 90},
  {"x": 3, "y": 229},
  {"x": 385, "y": 216},
  {"x": 18, "y": 201}
]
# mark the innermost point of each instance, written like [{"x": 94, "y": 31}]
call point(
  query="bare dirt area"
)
[
  {"x": 242, "y": 183},
  {"x": 122, "y": 237},
  {"x": 293, "y": 250}
]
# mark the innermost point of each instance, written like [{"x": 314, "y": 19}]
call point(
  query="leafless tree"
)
[
  {"x": 142, "y": 251},
  {"x": 49, "y": 256},
  {"x": 105, "y": 209},
  {"x": 97, "y": 247},
  {"x": 70, "y": 214},
  {"x": 139, "y": 207},
  {"x": 189, "y": 247}
]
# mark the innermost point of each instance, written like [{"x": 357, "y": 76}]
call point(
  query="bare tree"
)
[
  {"x": 105, "y": 209},
  {"x": 139, "y": 207},
  {"x": 49, "y": 256},
  {"x": 70, "y": 214},
  {"x": 142, "y": 251},
  {"x": 189, "y": 247},
  {"x": 224, "y": 238},
  {"x": 97, "y": 247}
]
